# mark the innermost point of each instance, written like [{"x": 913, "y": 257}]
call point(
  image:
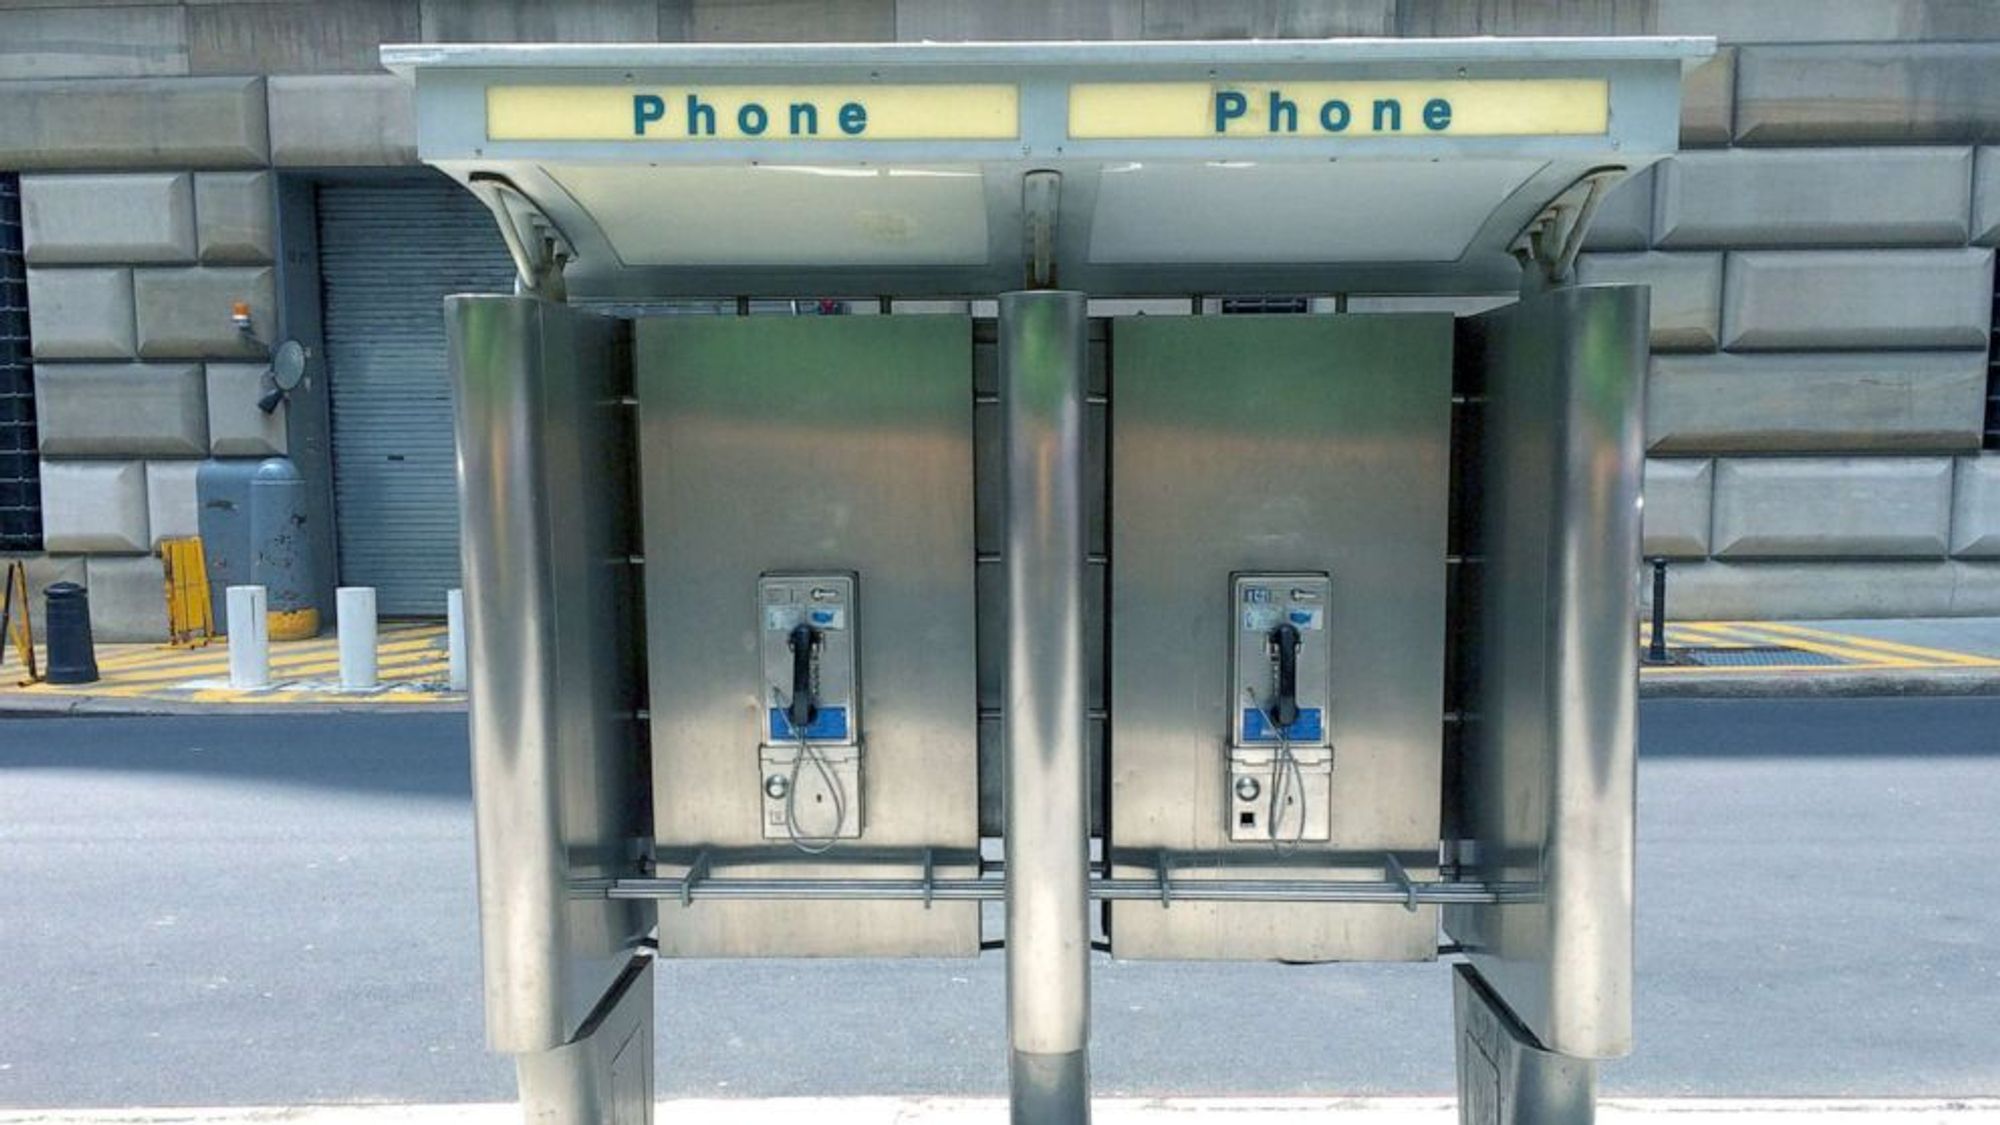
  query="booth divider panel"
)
[
  {"x": 812, "y": 445},
  {"x": 558, "y": 763},
  {"x": 1312, "y": 444},
  {"x": 1544, "y": 792}
]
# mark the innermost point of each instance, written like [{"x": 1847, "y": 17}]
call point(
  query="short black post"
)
[
  {"x": 1656, "y": 653},
  {"x": 72, "y": 656}
]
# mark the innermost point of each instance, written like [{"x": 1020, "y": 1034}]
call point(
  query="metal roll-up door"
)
[{"x": 389, "y": 254}]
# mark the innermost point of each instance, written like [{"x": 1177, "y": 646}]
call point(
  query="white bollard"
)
[
  {"x": 454, "y": 629},
  {"x": 249, "y": 639},
  {"x": 355, "y": 608}
]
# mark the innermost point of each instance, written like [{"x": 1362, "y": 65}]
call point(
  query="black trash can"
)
[{"x": 72, "y": 656}]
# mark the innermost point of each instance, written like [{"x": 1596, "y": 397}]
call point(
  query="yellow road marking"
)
[
  {"x": 1849, "y": 653},
  {"x": 283, "y": 660},
  {"x": 1712, "y": 634},
  {"x": 1684, "y": 669},
  {"x": 1856, "y": 653},
  {"x": 1937, "y": 655},
  {"x": 281, "y": 674},
  {"x": 218, "y": 656},
  {"x": 1685, "y": 634},
  {"x": 223, "y": 695}
]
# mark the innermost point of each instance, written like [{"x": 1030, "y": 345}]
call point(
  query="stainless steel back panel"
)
[
  {"x": 559, "y": 770},
  {"x": 1546, "y": 786},
  {"x": 1282, "y": 443},
  {"x": 811, "y": 444}
]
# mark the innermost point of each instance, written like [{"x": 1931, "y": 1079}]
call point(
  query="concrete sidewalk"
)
[
  {"x": 143, "y": 679},
  {"x": 1941, "y": 656},
  {"x": 1105, "y": 1111}
]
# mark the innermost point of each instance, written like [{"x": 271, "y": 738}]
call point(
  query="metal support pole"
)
[
  {"x": 454, "y": 629},
  {"x": 355, "y": 608},
  {"x": 1656, "y": 652},
  {"x": 249, "y": 641},
  {"x": 1043, "y": 368}
]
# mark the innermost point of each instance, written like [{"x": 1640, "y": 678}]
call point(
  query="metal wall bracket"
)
[
  {"x": 1547, "y": 247},
  {"x": 539, "y": 248},
  {"x": 1401, "y": 877},
  {"x": 1041, "y": 207},
  {"x": 697, "y": 871}
]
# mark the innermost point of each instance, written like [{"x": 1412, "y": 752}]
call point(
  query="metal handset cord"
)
[
  {"x": 810, "y": 845},
  {"x": 1285, "y": 773}
]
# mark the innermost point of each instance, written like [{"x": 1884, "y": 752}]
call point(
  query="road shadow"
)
[
  {"x": 408, "y": 754},
  {"x": 1891, "y": 727}
]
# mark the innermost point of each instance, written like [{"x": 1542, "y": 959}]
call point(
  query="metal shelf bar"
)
[{"x": 1101, "y": 889}]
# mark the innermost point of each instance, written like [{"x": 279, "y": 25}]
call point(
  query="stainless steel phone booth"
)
[{"x": 1176, "y": 491}]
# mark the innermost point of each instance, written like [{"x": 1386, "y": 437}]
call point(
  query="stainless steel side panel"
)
[
  {"x": 559, "y": 771},
  {"x": 811, "y": 444},
  {"x": 605, "y": 1077},
  {"x": 1283, "y": 443},
  {"x": 1546, "y": 791},
  {"x": 1504, "y": 1076}
]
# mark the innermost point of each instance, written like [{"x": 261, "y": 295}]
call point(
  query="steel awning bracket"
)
[
  {"x": 538, "y": 246},
  {"x": 1547, "y": 247},
  {"x": 1041, "y": 211}
]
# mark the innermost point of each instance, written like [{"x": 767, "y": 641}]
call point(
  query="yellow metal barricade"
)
[
  {"x": 190, "y": 616},
  {"x": 15, "y": 623}
]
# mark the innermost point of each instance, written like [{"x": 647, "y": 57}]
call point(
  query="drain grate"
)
[{"x": 1764, "y": 656}]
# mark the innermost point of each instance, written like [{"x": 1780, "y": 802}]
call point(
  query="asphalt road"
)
[{"x": 259, "y": 910}]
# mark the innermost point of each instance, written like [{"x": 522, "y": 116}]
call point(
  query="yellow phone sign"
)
[
  {"x": 752, "y": 113},
  {"x": 1097, "y": 111},
  {"x": 1463, "y": 107}
]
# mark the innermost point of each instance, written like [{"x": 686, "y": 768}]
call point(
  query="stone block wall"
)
[
  {"x": 140, "y": 371},
  {"x": 1821, "y": 254},
  {"x": 1823, "y": 277}
]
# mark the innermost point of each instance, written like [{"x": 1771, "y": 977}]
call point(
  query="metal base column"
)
[
  {"x": 605, "y": 1075},
  {"x": 1504, "y": 1076},
  {"x": 1043, "y": 368},
  {"x": 1049, "y": 1088}
]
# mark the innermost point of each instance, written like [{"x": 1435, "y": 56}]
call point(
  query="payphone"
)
[
  {"x": 1280, "y": 752},
  {"x": 1298, "y": 637},
  {"x": 809, "y": 763}
]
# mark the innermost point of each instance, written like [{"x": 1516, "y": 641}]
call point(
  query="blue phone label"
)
[
  {"x": 1306, "y": 728},
  {"x": 829, "y": 724}
]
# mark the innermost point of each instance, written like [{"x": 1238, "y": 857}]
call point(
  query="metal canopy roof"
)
[{"x": 1381, "y": 166}]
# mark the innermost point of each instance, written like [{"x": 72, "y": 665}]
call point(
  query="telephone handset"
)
[
  {"x": 803, "y": 705},
  {"x": 1285, "y": 645}
]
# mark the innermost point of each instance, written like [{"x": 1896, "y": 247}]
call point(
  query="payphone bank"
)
[{"x": 1038, "y": 578}]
